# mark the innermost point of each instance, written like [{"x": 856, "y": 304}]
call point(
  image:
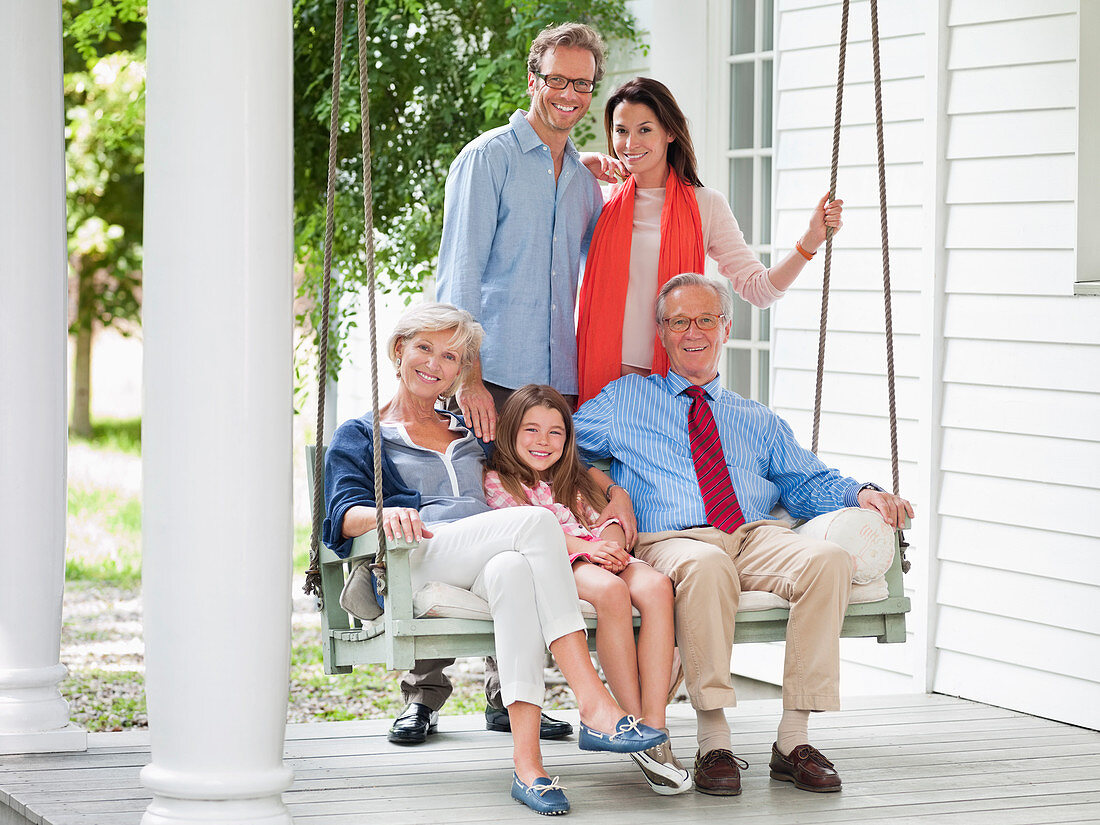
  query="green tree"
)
[
  {"x": 105, "y": 127},
  {"x": 441, "y": 72}
]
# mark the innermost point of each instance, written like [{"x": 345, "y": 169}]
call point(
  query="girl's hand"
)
[
  {"x": 825, "y": 216},
  {"x": 403, "y": 522},
  {"x": 604, "y": 167},
  {"x": 609, "y": 555}
]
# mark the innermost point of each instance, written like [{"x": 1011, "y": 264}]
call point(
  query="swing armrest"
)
[{"x": 364, "y": 547}]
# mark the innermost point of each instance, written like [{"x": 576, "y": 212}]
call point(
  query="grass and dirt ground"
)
[{"x": 101, "y": 637}]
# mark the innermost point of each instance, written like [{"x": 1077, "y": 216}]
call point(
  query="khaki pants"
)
[{"x": 710, "y": 568}]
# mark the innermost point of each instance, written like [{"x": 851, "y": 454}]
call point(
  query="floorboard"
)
[{"x": 906, "y": 760}]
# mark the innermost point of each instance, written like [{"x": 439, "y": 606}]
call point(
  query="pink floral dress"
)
[{"x": 543, "y": 496}]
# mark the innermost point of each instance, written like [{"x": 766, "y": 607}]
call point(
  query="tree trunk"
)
[{"x": 82, "y": 383}]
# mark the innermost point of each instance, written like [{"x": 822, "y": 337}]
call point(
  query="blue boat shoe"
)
[
  {"x": 630, "y": 736},
  {"x": 543, "y": 796}
]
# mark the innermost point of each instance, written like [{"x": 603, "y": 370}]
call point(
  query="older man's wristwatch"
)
[{"x": 870, "y": 485}]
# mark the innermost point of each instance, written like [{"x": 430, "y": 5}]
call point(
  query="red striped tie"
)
[{"x": 719, "y": 499}]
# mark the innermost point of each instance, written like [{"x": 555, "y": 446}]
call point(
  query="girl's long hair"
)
[
  {"x": 655, "y": 95},
  {"x": 568, "y": 478}
]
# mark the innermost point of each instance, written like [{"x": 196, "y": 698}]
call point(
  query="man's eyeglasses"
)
[
  {"x": 705, "y": 322},
  {"x": 556, "y": 81}
]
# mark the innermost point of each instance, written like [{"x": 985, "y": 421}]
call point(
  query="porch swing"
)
[{"x": 440, "y": 621}]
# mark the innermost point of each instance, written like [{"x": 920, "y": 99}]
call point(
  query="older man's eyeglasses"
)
[
  {"x": 705, "y": 322},
  {"x": 556, "y": 81}
]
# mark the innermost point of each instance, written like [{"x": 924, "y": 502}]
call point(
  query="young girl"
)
[{"x": 535, "y": 462}]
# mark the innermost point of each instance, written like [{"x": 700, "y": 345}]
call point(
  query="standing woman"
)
[{"x": 659, "y": 222}]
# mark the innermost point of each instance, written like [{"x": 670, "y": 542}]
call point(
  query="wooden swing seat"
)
[{"x": 398, "y": 638}]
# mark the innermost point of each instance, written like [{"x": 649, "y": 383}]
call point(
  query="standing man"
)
[
  {"x": 705, "y": 467},
  {"x": 519, "y": 212},
  {"x": 518, "y": 216}
]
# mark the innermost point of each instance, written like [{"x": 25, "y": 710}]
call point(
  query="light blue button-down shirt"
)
[
  {"x": 642, "y": 425},
  {"x": 513, "y": 240}
]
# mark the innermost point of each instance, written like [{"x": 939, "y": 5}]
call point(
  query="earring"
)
[{"x": 398, "y": 367}]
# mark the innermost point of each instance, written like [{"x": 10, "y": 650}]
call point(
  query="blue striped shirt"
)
[
  {"x": 513, "y": 240},
  {"x": 641, "y": 425}
]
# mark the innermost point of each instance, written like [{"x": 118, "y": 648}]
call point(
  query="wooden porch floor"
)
[{"x": 904, "y": 759}]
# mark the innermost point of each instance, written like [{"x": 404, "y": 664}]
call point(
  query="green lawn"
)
[{"x": 103, "y": 559}]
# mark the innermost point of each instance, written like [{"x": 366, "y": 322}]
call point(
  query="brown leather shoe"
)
[
  {"x": 718, "y": 773},
  {"x": 806, "y": 767}
]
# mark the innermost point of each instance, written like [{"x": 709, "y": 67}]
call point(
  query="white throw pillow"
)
[{"x": 863, "y": 533}]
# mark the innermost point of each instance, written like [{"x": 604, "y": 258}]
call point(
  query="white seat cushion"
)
[
  {"x": 436, "y": 600},
  {"x": 863, "y": 533}
]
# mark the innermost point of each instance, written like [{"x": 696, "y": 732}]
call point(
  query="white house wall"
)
[
  {"x": 855, "y": 432},
  {"x": 1019, "y": 542}
]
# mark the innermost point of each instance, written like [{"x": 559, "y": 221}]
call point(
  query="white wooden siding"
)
[
  {"x": 1019, "y": 542},
  {"x": 855, "y": 429},
  {"x": 998, "y": 365}
]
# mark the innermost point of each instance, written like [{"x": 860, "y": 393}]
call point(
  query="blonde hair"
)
[
  {"x": 569, "y": 481},
  {"x": 434, "y": 317},
  {"x": 570, "y": 35}
]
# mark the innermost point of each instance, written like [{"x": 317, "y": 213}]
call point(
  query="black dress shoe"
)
[
  {"x": 414, "y": 724},
  {"x": 497, "y": 719}
]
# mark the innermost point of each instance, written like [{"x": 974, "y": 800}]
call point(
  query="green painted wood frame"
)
[{"x": 397, "y": 639}]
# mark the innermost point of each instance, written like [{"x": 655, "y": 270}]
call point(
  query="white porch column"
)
[
  {"x": 33, "y": 321},
  {"x": 217, "y": 415}
]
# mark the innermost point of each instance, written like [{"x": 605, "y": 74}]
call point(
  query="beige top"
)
[{"x": 723, "y": 241}]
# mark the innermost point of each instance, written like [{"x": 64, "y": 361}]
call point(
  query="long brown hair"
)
[
  {"x": 568, "y": 478},
  {"x": 655, "y": 95}
]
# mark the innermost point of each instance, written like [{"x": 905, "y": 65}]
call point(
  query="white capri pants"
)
[{"x": 516, "y": 560}]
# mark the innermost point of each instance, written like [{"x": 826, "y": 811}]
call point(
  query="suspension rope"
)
[
  {"x": 886, "y": 291},
  {"x": 379, "y": 565},
  {"x": 822, "y": 324},
  {"x": 313, "y": 574}
]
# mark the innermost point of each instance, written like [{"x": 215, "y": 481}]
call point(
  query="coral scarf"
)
[{"x": 607, "y": 273}]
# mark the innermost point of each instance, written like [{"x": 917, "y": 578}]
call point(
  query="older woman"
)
[
  {"x": 659, "y": 222},
  {"x": 515, "y": 559}
]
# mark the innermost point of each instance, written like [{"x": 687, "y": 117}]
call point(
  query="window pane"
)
[
  {"x": 738, "y": 363},
  {"x": 743, "y": 33},
  {"x": 741, "y": 194},
  {"x": 765, "y": 200},
  {"x": 742, "y": 320},
  {"x": 767, "y": 71},
  {"x": 765, "y": 324},
  {"x": 765, "y": 384},
  {"x": 742, "y": 111},
  {"x": 768, "y": 12}
]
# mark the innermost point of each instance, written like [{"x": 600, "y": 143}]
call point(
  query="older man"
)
[{"x": 704, "y": 468}]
